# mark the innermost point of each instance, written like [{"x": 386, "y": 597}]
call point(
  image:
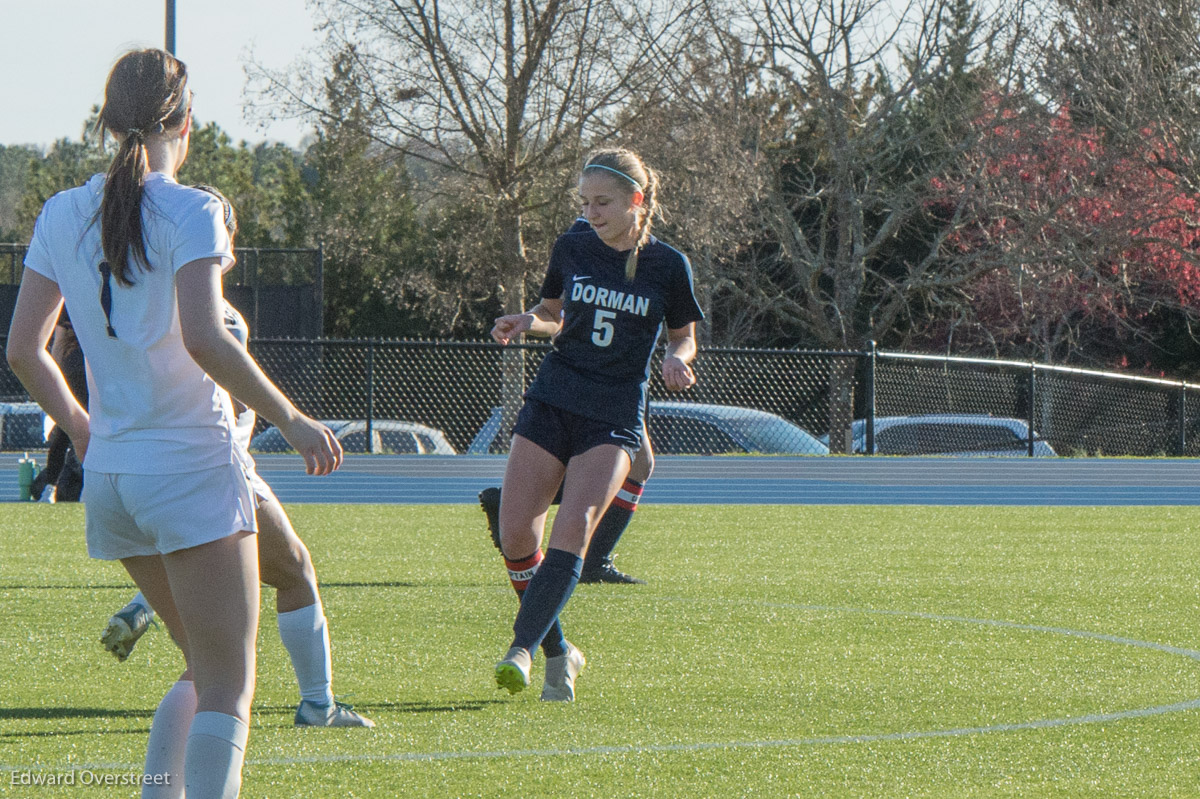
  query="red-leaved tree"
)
[{"x": 1086, "y": 250}]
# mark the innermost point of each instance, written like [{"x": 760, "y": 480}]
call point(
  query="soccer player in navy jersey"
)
[
  {"x": 606, "y": 296},
  {"x": 598, "y": 564},
  {"x": 63, "y": 470}
]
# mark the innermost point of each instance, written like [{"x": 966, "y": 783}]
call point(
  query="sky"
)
[{"x": 55, "y": 56}]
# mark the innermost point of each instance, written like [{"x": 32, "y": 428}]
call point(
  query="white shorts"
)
[
  {"x": 262, "y": 491},
  {"x": 153, "y": 514}
]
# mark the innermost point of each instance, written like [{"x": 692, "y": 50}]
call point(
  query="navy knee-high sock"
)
[
  {"x": 545, "y": 597},
  {"x": 520, "y": 572}
]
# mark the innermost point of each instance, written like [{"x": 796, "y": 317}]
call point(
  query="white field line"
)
[{"x": 704, "y": 746}]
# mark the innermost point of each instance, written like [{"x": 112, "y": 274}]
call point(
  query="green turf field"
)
[{"x": 776, "y": 651}]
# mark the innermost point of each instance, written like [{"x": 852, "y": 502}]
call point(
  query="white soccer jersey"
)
[{"x": 153, "y": 409}]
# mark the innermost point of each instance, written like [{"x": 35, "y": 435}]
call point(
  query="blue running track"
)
[{"x": 757, "y": 480}]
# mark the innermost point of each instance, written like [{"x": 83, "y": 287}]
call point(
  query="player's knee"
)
[
  {"x": 643, "y": 466},
  {"x": 519, "y": 543}
]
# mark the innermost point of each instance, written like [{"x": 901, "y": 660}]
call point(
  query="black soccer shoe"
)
[
  {"x": 489, "y": 500},
  {"x": 606, "y": 572},
  {"x": 38, "y": 487}
]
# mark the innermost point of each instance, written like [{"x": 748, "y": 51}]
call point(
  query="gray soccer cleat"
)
[
  {"x": 124, "y": 629},
  {"x": 335, "y": 714},
  {"x": 561, "y": 672}
]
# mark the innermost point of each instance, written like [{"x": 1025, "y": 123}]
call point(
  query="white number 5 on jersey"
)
[{"x": 602, "y": 329}]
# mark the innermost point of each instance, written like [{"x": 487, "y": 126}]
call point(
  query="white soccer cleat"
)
[
  {"x": 124, "y": 629},
  {"x": 561, "y": 672},
  {"x": 335, "y": 714},
  {"x": 512, "y": 673}
]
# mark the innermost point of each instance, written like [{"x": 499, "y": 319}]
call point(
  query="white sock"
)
[
  {"x": 305, "y": 635},
  {"x": 168, "y": 742},
  {"x": 141, "y": 600},
  {"x": 216, "y": 748}
]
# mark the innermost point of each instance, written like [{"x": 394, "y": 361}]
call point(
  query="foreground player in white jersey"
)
[
  {"x": 284, "y": 563},
  {"x": 137, "y": 258}
]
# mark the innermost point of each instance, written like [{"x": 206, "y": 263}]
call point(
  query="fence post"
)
[
  {"x": 1181, "y": 443},
  {"x": 320, "y": 281},
  {"x": 1032, "y": 404},
  {"x": 869, "y": 442},
  {"x": 370, "y": 444},
  {"x": 256, "y": 331}
]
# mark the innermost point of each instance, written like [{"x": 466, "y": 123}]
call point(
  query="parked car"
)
[
  {"x": 390, "y": 437},
  {"x": 695, "y": 428},
  {"x": 22, "y": 426},
  {"x": 953, "y": 434}
]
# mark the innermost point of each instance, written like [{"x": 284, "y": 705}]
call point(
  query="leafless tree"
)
[
  {"x": 874, "y": 100},
  {"x": 1128, "y": 68},
  {"x": 496, "y": 98}
]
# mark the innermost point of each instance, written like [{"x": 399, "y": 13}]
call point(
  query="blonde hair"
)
[{"x": 625, "y": 166}]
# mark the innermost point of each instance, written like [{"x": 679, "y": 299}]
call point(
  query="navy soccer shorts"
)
[{"x": 564, "y": 434}]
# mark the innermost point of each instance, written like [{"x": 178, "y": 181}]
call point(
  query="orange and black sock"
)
[{"x": 613, "y": 523}]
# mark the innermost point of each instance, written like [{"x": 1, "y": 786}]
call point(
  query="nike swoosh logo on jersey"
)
[{"x": 581, "y": 277}]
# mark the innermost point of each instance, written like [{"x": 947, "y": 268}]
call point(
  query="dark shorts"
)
[{"x": 564, "y": 434}]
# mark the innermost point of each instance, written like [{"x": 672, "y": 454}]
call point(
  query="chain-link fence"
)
[
  {"x": 461, "y": 397},
  {"x": 1073, "y": 411},
  {"x": 755, "y": 401},
  {"x": 746, "y": 401}
]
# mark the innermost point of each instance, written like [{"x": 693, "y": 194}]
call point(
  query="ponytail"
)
[
  {"x": 146, "y": 95},
  {"x": 121, "y": 209},
  {"x": 627, "y": 165}
]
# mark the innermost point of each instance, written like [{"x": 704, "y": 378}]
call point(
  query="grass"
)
[{"x": 776, "y": 651}]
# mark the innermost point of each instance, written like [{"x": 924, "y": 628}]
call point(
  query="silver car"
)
[
  {"x": 951, "y": 434},
  {"x": 388, "y": 436}
]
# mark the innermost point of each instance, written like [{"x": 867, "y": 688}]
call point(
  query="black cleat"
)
[
  {"x": 38, "y": 487},
  {"x": 489, "y": 500},
  {"x": 606, "y": 572}
]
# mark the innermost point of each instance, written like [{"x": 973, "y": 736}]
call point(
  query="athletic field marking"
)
[
  {"x": 705, "y": 746},
  {"x": 1011, "y": 625}
]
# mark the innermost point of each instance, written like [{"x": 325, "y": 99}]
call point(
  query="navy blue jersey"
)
[{"x": 600, "y": 363}]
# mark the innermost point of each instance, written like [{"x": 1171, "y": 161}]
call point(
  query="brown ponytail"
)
[
  {"x": 638, "y": 177},
  {"x": 146, "y": 95}
]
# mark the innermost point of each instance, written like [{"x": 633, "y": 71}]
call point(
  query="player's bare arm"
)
[
  {"x": 681, "y": 349},
  {"x": 543, "y": 320},
  {"x": 38, "y": 304},
  {"x": 215, "y": 349}
]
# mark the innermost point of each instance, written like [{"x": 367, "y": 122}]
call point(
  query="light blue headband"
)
[{"x": 636, "y": 185}]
